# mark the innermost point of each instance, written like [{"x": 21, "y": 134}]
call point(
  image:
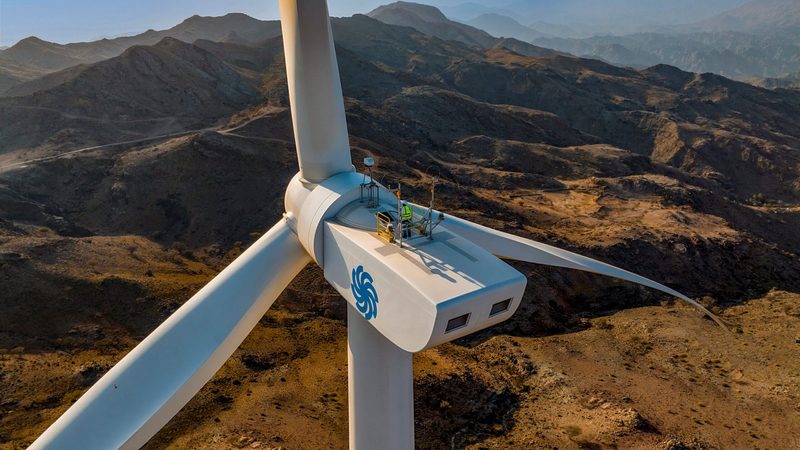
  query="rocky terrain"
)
[{"x": 689, "y": 179}]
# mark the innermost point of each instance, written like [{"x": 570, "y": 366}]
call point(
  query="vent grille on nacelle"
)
[
  {"x": 457, "y": 322},
  {"x": 500, "y": 307}
]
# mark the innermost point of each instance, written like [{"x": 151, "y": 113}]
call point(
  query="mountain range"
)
[
  {"x": 732, "y": 54},
  {"x": 32, "y": 57},
  {"x": 758, "y": 39},
  {"x": 27, "y": 62},
  {"x": 431, "y": 21},
  {"x": 755, "y": 39},
  {"x": 584, "y": 18},
  {"x": 500, "y": 25},
  {"x": 765, "y": 45},
  {"x": 757, "y": 16},
  {"x": 127, "y": 183}
]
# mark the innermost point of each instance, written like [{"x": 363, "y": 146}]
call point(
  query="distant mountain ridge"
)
[
  {"x": 758, "y": 16},
  {"x": 11, "y": 74},
  {"x": 791, "y": 81},
  {"x": 771, "y": 50},
  {"x": 23, "y": 65},
  {"x": 37, "y": 53},
  {"x": 504, "y": 26},
  {"x": 586, "y": 18},
  {"x": 147, "y": 90},
  {"x": 39, "y": 57},
  {"x": 758, "y": 39},
  {"x": 731, "y": 54},
  {"x": 177, "y": 77},
  {"x": 432, "y": 21}
]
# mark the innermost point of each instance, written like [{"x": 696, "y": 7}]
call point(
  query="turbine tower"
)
[{"x": 443, "y": 281}]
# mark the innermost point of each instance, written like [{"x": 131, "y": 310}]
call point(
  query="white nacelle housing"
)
[
  {"x": 428, "y": 292},
  {"x": 421, "y": 295}
]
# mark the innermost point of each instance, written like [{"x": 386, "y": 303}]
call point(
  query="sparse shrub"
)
[{"x": 758, "y": 199}]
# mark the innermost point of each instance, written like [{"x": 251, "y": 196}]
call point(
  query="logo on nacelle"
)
[{"x": 365, "y": 293}]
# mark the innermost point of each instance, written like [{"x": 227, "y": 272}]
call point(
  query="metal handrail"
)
[
  {"x": 420, "y": 221},
  {"x": 384, "y": 228}
]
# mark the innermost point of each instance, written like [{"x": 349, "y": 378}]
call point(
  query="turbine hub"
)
[{"x": 309, "y": 204}]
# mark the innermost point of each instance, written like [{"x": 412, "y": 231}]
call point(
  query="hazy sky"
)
[{"x": 80, "y": 20}]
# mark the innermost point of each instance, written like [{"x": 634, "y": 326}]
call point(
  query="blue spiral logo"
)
[{"x": 365, "y": 293}]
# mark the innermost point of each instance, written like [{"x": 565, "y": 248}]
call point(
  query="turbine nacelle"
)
[
  {"x": 430, "y": 291},
  {"x": 426, "y": 293}
]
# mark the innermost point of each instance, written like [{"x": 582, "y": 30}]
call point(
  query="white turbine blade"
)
[
  {"x": 315, "y": 90},
  {"x": 508, "y": 246},
  {"x": 140, "y": 394}
]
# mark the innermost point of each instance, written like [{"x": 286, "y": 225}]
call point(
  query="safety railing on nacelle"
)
[{"x": 384, "y": 227}]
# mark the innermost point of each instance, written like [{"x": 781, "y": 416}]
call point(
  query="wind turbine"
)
[{"x": 445, "y": 284}]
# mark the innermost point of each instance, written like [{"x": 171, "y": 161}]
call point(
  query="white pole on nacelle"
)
[{"x": 315, "y": 90}]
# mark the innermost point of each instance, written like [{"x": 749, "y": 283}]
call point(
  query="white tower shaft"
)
[
  {"x": 381, "y": 389},
  {"x": 315, "y": 90}
]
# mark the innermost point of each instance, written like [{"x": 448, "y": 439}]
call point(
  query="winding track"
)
[
  {"x": 24, "y": 163},
  {"x": 218, "y": 128}
]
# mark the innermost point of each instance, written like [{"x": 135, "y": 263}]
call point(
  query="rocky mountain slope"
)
[
  {"x": 37, "y": 53},
  {"x": 430, "y": 20},
  {"x": 29, "y": 66},
  {"x": 686, "y": 178},
  {"x": 33, "y": 57},
  {"x": 168, "y": 87},
  {"x": 12, "y": 74},
  {"x": 34, "y": 52}
]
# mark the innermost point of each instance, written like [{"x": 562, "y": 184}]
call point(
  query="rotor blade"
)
[
  {"x": 315, "y": 90},
  {"x": 508, "y": 246},
  {"x": 140, "y": 394}
]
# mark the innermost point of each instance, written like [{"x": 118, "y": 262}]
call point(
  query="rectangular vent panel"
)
[
  {"x": 500, "y": 307},
  {"x": 456, "y": 323}
]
